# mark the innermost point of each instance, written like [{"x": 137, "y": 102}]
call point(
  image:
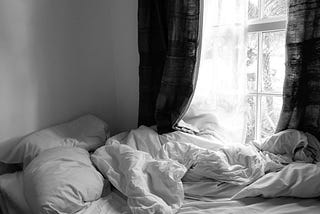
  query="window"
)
[
  {"x": 265, "y": 65},
  {"x": 241, "y": 69}
]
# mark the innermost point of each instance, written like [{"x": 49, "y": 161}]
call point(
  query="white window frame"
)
[{"x": 262, "y": 25}]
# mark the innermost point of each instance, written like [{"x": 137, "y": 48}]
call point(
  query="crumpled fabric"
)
[
  {"x": 294, "y": 180},
  {"x": 237, "y": 164},
  {"x": 149, "y": 168},
  {"x": 152, "y": 186},
  {"x": 292, "y": 145}
]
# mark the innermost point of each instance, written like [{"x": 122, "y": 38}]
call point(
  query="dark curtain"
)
[
  {"x": 301, "y": 107},
  {"x": 168, "y": 41}
]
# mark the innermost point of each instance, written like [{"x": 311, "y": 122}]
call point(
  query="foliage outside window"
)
[{"x": 265, "y": 66}]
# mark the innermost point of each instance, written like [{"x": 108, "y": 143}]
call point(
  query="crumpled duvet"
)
[
  {"x": 237, "y": 164},
  {"x": 294, "y": 180},
  {"x": 149, "y": 168},
  {"x": 293, "y": 145},
  {"x": 152, "y": 186}
]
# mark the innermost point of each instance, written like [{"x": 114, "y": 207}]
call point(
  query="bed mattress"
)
[
  {"x": 114, "y": 204},
  {"x": 165, "y": 182}
]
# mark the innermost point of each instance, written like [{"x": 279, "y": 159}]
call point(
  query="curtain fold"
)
[
  {"x": 167, "y": 42},
  {"x": 301, "y": 93}
]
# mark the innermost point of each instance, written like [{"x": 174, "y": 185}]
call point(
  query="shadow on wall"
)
[{"x": 55, "y": 64}]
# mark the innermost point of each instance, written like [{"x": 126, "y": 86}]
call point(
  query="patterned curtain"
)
[
  {"x": 301, "y": 107},
  {"x": 168, "y": 41}
]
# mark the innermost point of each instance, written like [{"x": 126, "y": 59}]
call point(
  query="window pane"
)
[
  {"x": 252, "y": 61},
  {"x": 270, "y": 113},
  {"x": 273, "y": 59},
  {"x": 253, "y": 9},
  {"x": 251, "y": 118},
  {"x": 274, "y": 8}
]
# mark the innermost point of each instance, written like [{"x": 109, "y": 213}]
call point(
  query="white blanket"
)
[
  {"x": 151, "y": 185},
  {"x": 295, "y": 180},
  {"x": 148, "y": 168}
]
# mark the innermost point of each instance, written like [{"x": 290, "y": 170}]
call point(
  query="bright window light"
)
[
  {"x": 241, "y": 71},
  {"x": 265, "y": 66}
]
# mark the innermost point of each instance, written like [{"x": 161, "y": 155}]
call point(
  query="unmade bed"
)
[{"x": 76, "y": 168}]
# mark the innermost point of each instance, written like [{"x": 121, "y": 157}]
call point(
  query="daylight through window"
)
[
  {"x": 241, "y": 70},
  {"x": 265, "y": 65}
]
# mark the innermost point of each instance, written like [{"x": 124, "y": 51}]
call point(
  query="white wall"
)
[
  {"x": 63, "y": 58},
  {"x": 124, "y": 33}
]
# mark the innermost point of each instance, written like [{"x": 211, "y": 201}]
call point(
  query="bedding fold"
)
[
  {"x": 149, "y": 170},
  {"x": 152, "y": 186},
  {"x": 160, "y": 173}
]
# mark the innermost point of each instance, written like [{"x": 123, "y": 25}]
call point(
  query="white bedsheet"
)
[
  {"x": 149, "y": 168},
  {"x": 252, "y": 206},
  {"x": 149, "y": 171},
  {"x": 110, "y": 204},
  {"x": 12, "y": 200},
  {"x": 114, "y": 204},
  {"x": 295, "y": 180}
]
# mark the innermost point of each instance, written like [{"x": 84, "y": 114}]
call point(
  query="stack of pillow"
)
[{"x": 58, "y": 175}]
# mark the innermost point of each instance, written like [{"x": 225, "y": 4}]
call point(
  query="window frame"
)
[{"x": 262, "y": 25}]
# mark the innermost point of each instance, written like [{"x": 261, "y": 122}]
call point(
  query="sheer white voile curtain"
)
[{"x": 218, "y": 105}]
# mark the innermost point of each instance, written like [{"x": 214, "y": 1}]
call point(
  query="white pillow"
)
[
  {"x": 89, "y": 130},
  {"x": 61, "y": 180},
  {"x": 295, "y": 180},
  {"x": 11, "y": 194}
]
